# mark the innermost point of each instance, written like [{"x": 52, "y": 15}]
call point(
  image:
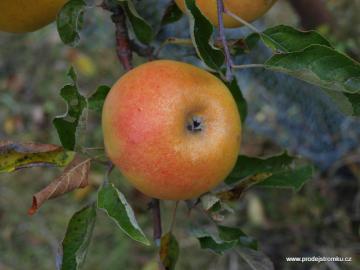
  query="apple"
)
[
  {"x": 172, "y": 129},
  {"x": 249, "y": 10},
  {"x": 21, "y": 16}
]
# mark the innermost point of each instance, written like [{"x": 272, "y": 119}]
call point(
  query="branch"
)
[
  {"x": 220, "y": 13},
  {"x": 123, "y": 48}
]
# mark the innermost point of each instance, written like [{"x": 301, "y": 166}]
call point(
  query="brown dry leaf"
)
[{"x": 75, "y": 175}]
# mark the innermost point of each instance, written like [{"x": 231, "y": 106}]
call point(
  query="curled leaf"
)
[
  {"x": 15, "y": 156},
  {"x": 67, "y": 124},
  {"x": 70, "y": 21},
  {"x": 74, "y": 176}
]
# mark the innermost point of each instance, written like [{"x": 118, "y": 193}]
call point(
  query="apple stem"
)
[{"x": 220, "y": 13}]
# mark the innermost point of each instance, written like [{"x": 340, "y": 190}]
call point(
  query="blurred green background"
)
[{"x": 321, "y": 220}]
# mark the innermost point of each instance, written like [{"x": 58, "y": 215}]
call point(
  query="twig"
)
[
  {"x": 124, "y": 52},
  {"x": 142, "y": 50},
  {"x": 220, "y": 13},
  {"x": 123, "y": 48},
  {"x": 155, "y": 206}
]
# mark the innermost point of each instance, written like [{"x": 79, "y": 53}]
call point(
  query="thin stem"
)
[
  {"x": 248, "y": 66},
  {"x": 220, "y": 13},
  {"x": 249, "y": 25},
  {"x": 155, "y": 206},
  {"x": 173, "y": 216},
  {"x": 254, "y": 29}
]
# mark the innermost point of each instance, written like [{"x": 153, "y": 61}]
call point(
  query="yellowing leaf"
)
[{"x": 15, "y": 156}]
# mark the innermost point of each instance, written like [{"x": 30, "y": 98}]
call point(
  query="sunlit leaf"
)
[
  {"x": 321, "y": 66},
  {"x": 113, "y": 202},
  {"x": 15, "y": 156},
  {"x": 288, "y": 39},
  {"x": 77, "y": 238}
]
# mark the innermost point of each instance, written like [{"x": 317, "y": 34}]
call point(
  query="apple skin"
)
[
  {"x": 146, "y": 125},
  {"x": 249, "y": 10},
  {"x": 21, "y": 16}
]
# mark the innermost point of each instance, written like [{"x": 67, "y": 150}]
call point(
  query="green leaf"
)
[
  {"x": 169, "y": 251},
  {"x": 341, "y": 100},
  {"x": 201, "y": 31},
  {"x": 113, "y": 202},
  {"x": 141, "y": 28},
  {"x": 235, "y": 234},
  {"x": 249, "y": 166},
  {"x": 210, "y": 202},
  {"x": 70, "y": 21},
  {"x": 77, "y": 238},
  {"x": 228, "y": 238},
  {"x": 96, "y": 100},
  {"x": 215, "y": 245},
  {"x": 294, "y": 179},
  {"x": 66, "y": 125},
  {"x": 172, "y": 14},
  {"x": 15, "y": 156},
  {"x": 288, "y": 39},
  {"x": 355, "y": 101},
  {"x": 239, "y": 98},
  {"x": 321, "y": 66}
]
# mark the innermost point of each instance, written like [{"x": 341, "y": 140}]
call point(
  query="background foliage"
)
[{"x": 322, "y": 219}]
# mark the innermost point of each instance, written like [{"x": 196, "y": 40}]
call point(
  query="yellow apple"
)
[
  {"x": 249, "y": 10},
  {"x": 172, "y": 129},
  {"x": 21, "y": 16}
]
